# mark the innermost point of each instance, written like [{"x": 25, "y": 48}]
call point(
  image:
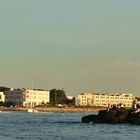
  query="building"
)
[
  {"x": 137, "y": 100},
  {"x": 35, "y": 97},
  {"x": 2, "y": 97},
  {"x": 103, "y": 100},
  {"x": 14, "y": 96},
  {"x": 26, "y": 97},
  {"x": 70, "y": 97}
]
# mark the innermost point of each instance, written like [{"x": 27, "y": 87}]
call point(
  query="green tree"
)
[
  {"x": 57, "y": 96},
  {"x": 2, "y": 88}
]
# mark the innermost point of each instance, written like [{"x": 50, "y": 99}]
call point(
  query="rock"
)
[
  {"x": 134, "y": 118},
  {"x": 107, "y": 116},
  {"x": 89, "y": 118},
  {"x": 114, "y": 116}
]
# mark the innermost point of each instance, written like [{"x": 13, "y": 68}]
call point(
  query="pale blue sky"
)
[{"x": 78, "y": 45}]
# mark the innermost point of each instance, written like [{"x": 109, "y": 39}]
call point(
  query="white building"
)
[
  {"x": 70, "y": 97},
  {"x": 25, "y": 97},
  {"x": 35, "y": 97},
  {"x": 2, "y": 97},
  {"x": 94, "y": 99}
]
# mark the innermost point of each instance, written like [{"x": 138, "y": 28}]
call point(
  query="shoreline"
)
[{"x": 53, "y": 109}]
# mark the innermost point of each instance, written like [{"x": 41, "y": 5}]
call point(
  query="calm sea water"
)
[{"x": 60, "y": 126}]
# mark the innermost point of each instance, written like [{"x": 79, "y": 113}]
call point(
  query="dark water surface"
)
[{"x": 60, "y": 126}]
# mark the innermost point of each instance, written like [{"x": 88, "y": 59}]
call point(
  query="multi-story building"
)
[
  {"x": 14, "y": 96},
  {"x": 2, "y": 97},
  {"x": 103, "y": 100},
  {"x": 26, "y": 97},
  {"x": 35, "y": 97}
]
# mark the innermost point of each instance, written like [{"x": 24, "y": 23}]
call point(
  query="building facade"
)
[
  {"x": 14, "y": 96},
  {"x": 25, "y": 97},
  {"x": 2, "y": 97},
  {"x": 103, "y": 100},
  {"x": 35, "y": 97}
]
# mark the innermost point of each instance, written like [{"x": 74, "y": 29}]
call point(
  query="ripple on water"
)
[{"x": 60, "y": 126}]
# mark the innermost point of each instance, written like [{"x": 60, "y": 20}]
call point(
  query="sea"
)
[{"x": 22, "y": 125}]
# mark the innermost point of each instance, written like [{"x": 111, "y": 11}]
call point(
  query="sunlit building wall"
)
[
  {"x": 2, "y": 97},
  {"x": 102, "y": 100},
  {"x": 36, "y": 97}
]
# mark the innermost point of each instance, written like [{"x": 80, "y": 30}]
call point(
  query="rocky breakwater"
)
[{"x": 114, "y": 117}]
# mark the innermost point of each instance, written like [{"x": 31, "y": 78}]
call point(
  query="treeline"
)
[{"x": 2, "y": 88}]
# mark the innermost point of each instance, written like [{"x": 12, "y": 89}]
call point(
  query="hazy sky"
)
[{"x": 78, "y": 45}]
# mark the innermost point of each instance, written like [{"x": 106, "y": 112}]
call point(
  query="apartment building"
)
[
  {"x": 26, "y": 97},
  {"x": 35, "y": 97},
  {"x": 2, "y": 97},
  {"x": 102, "y": 100},
  {"x": 14, "y": 96}
]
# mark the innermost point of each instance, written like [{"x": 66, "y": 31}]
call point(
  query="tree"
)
[
  {"x": 1, "y": 103},
  {"x": 9, "y": 104},
  {"x": 70, "y": 102},
  {"x": 2, "y": 88},
  {"x": 57, "y": 96}
]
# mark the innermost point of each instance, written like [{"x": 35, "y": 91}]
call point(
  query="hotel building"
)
[{"x": 102, "y": 100}]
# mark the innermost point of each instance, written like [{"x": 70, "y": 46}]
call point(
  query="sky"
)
[{"x": 75, "y": 45}]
